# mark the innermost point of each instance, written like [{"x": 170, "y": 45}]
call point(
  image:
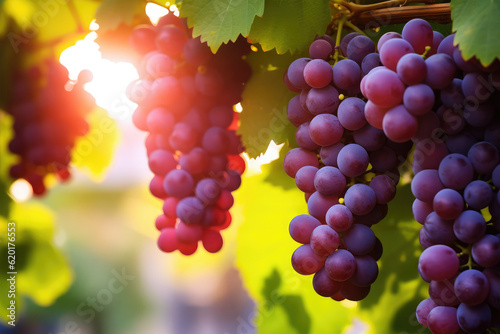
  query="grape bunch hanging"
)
[
  {"x": 361, "y": 117},
  {"x": 185, "y": 98},
  {"x": 47, "y": 121}
]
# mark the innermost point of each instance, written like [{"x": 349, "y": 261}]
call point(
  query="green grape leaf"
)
[
  {"x": 290, "y": 25},
  {"x": 286, "y": 301},
  {"x": 94, "y": 152},
  {"x": 111, "y": 13},
  {"x": 43, "y": 272},
  {"x": 220, "y": 21},
  {"x": 264, "y": 103},
  {"x": 475, "y": 24}
]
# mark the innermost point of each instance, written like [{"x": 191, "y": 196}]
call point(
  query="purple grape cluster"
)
[
  {"x": 48, "y": 119},
  {"x": 347, "y": 189},
  {"x": 185, "y": 98},
  {"x": 449, "y": 108}
]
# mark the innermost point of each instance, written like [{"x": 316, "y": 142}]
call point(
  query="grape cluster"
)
[
  {"x": 449, "y": 108},
  {"x": 185, "y": 98},
  {"x": 347, "y": 189},
  {"x": 47, "y": 121}
]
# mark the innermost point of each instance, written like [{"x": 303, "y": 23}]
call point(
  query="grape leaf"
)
[
  {"x": 264, "y": 103},
  {"x": 111, "y": 13},
  {"x": 290, "y": 25},
  {"x": 220, "y": 21},
  {"x": 94, "y": 152},
  {"x": 263, "y": 257},
  {"x": 476, "y": 24},
  {"x": 42, "y": 270}
]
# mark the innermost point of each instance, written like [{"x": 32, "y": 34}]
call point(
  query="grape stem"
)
[{"x": 357, "y": 9}]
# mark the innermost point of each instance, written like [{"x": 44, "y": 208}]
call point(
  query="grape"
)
[
  {"x": 345, "y": 41},
  {"x": 304, "y": 179},
  {"x": 474, "y": 319},
  {"x": 353, "y": 292},
  {"x": 419, "y": 33},
  {"x": 325, "y": 129},
  {"x": 339, "y": 218},
  {"x": 370, "y": 138},
  {"x": 296, "y": 73},
  {"x": 303, "y": 138},
  {"x": 438, "y": 262},
  {"x": 384, "y": 188},
  {"x": 486, "y": 251},
  {"x": 437, "y": 38},
  {"x": 426, "y": 184},
  {"x": 296, "y": 114},
  {"x": 187, "y": 233},
  {"x": 374, "y": 114},
  {"x": 208, "y": 191},
  {"x": 443, "y": 320},
  {"x": 475, "y": 87},
  {"x": 359, "y": 239},
  {"x": 441, "y": 70},
  {"x": 471, "y": 287},
  {"x": 446, "y": 45},
  {"x": 329, "y": 154},
  {"x": 452, "y": 121},
  {"x": 340, "y": 266},
  {"x": 320, "y": 49},
  {"x": 178, "y": 183},
  {"x": 421, "y": 210},
  {"x": 453, "y": 95},
  {"x": 461, "y": 143},
  {"x": 322, "y": 100},
  {"x": 301, "y": 228},
  {"x": 324, "y": 240},
  {"x": 366, "y": 271},
  {"x": 346, "y": 74},
  {"x": 360, "y": 199},
  {"x": 159, "y": 120},
  {"x": 318, "y": 205},
  {"x": 438, "y": 230},
  {"x": 411, "y": 69},
  {"x": 479, "y": 115},
  {"x": 297, "y": 158},
  {"x": 466, "y": 66},
  {"x": 167, "y": 241},
  {"x": 399, "y": 125},
  {"x": 428, "y": 155},
  {"x": 423, "y": 310},
  {"x": 469, "y": 227},
  {"x": 170, "y": 40},
  {"x": 495, "y": 178},
  {"x": 388, "y": 95},
  {"x": 359, "y": 47},
  {"x": 478, "y": 194},
  {"x": 494, "y": 281},
  {"x": 324, "y": 285},
  {"x": 448, "y": 204},
  {"x": 329, "y": 181},
  {"x": 352, "y": 160},
  {"x": 384, "y": 160},
  {"x": 212, "y": 241},
  {"x": 484, "y": 157},
  {"x": 351, "y": 113},
  {"x": 392, "y": 51},
  {"x": 161, "y": 162},
  {"x": 443, "y": 292},
  {"x": 418, "y": 99},
  {"x": 318, "y": 73},
  {"x": 455, "y": 171},
  {"x": 428, "y": 127},
  {"x": 370, "y": 61},
  {"x": 305, "y": 261}
]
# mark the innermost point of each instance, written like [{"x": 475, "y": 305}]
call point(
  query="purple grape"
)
[
  {"x": 324, "y": 285},
  {"x": 441, "y": 70},
  {"x": 325, "y": 130},
  {"x": 324, "y": 240},
  {"x": 478, "y": 194},
  {"x": 484, "y": 157},
  {"x": 304, "y": 178},
  {"x": 296, "y": 73},
  {"x": 399, "y": 125},
  {"x": 469, "y": 227},
  {"x": 439, "y": 230},
  {"x": 471, "y": 287},
  {"x": 297, "y": 158},
  {"x": 370, "y": 61},
  {"x": 494, "y": 283},
  {"x": 346, "y": 74},
  {"x": 352, "y": 160},
  {"x": 320, "y": 49},
  {"x": 455, "y": 171},
  {"x": 330, "y": 181},
  {"x": 359, "y": 239},
  {"x": 384, "y": 160},
  {"x": 366, "y": 271},
  {"x": 423, "y": 310},
  {"x": 426, "y": 184},
  {"x": 479, "y": 115},
  {"x": 303, "y": 138},
  {"x": 353, "y": 292},
  {"x": 443, "y": 320},
  {"x": 305, "y": 261},
  {"x": 443, "y": 292},
  {"x": 178, "y": 183},
  {"x": 428, "y": 154},
  {"x": 486, "y": 251},
  {"x": 388, "y": 95},
  {"x": 208, "y": 191},
  {"x": 439, "y": 262},
  {"x": 369, "y": 137},
  {"x": 421, "y": 210},
  {"x": 476, "y": 88},
  {"x": 495, "y": 177},
  {"x": 296, "y": 114},
  {"x": 392, "y": 51},
  {"x": 318, "y": 73},
  {"x": 339, "y": 217},
  {"x": 453, "y": 95},
  {"x": 318, "y": 205},
  {"x": 345, "y": 41},
  {"x": 351, "y": 113},
  {"x": 359, "y": 47},
  {"x": 411, "y": 69},
  {"x": 446, "y": 45},
  {"x": 322, "y": 100},
  {"x": 215, "y": 140},
  {"x": 190, "y": 210},
  {"x": 341, "y": 265},
  {"x": 161, "y": 162},
  {"x": 384, "y": 188},
  {"x": 301, "y": 227},
  {"x": 474, "y": 319},
  {"x": 419, "y": 34},
  {"x": 418, "y": 99},
  {"x": 461, "y": 143},
  {"x": 448, "y": 204},
  {"x": 328, "y": 154}
]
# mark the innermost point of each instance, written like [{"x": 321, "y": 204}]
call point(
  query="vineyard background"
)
[{"x": 73, "y": 243}]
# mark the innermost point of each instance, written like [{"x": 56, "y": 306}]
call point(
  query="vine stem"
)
[{"x": 357, "y": 9}]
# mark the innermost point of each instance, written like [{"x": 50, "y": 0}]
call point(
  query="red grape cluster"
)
[
  {"x": 347, "y": 189},
  {"x": 185, "y": 98},
  {"x": 47, "y": 121},
  {"x": 449, "y": 108}
]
